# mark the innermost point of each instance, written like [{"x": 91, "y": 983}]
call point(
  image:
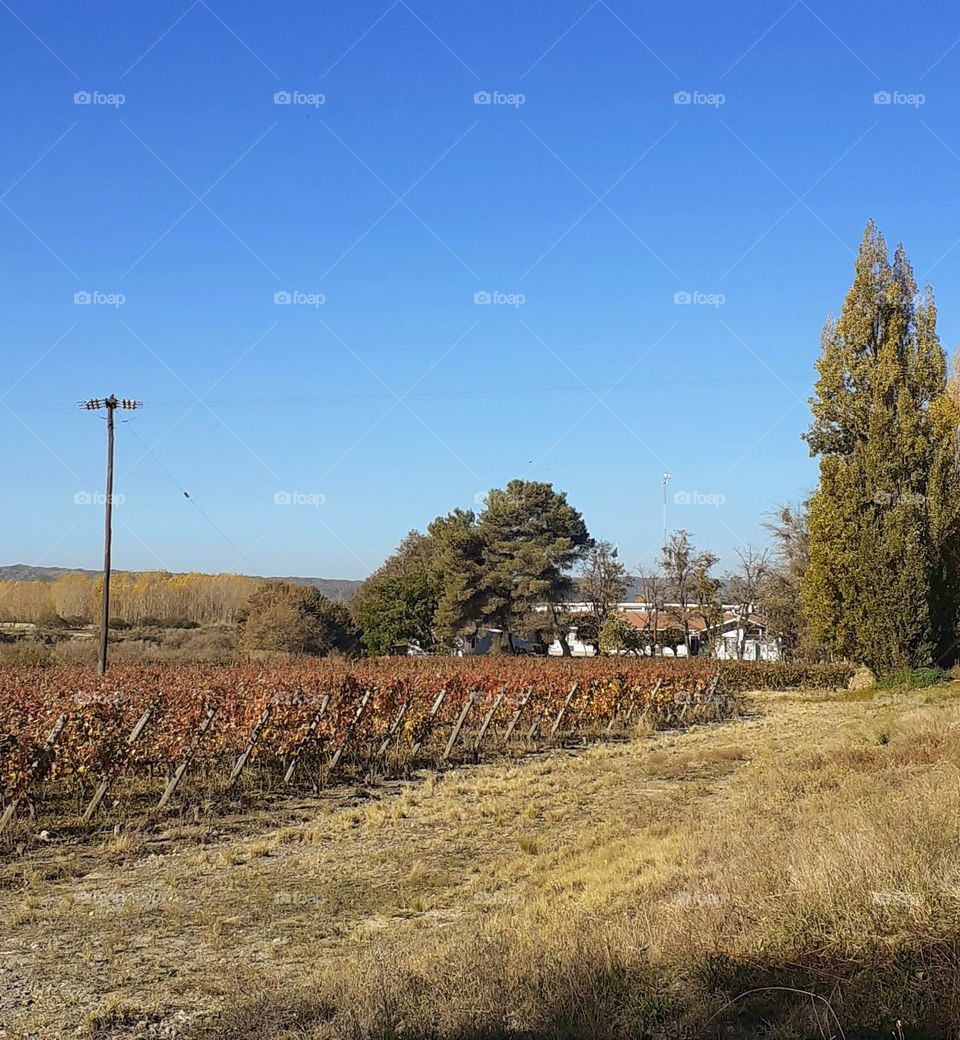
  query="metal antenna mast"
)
[{"x": 111, "y": 403}]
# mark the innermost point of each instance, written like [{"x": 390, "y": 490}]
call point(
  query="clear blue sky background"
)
[{"x": 599, "y": 198}]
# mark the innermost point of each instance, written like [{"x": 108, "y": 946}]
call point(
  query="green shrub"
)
[{"x": 913, "y": 678}]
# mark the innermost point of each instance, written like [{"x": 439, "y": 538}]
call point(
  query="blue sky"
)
[{"x": 578, "y": 163}]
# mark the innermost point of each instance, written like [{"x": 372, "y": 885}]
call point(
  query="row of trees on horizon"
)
[
  {"x": 515, "y": 567},
  {"x": 866, "y": 569}
]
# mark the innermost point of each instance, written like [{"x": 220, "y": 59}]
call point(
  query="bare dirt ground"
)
[{"x": 155, "y": 936}]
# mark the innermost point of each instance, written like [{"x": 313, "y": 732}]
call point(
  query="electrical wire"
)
[
  {"x": 684, "y": 382},
  {"x": 183, "y": 491}
]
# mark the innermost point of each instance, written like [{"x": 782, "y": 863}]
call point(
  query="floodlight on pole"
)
[{"x": 664, "y": 480}]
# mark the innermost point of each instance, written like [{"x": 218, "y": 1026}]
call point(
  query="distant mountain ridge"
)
[{"x": 339, "y": 589}]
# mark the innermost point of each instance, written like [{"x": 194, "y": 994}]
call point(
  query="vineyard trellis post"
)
[
  {"x": 633, "y": 699},
  {"x": 451, "y": 743},
  {"x": 563, "y": 710},
  {"x": 104, "y": 785},
  {"x": 535, "y": 725},
  {"x": 188, "y": 757},
  {"x": 352, "y": 725},
  {"x": 441, "y": 697},
  {"x": 515, "y": 718},
  {"x": 486, "y": 722},
  {"x": 251, "y": 744},
  {"x": 305, "y": 740},
  {"x": 613, "y": 716},
  {"x": 394, "y": 726},
  {"x": 36, "y": 769}
]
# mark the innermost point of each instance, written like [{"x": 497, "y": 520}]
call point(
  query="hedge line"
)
[{"x": 783, "y": 675}]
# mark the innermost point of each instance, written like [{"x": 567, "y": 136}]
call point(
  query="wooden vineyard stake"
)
[
  {"x": 707, "y": 697},
  {"x": 451, "y": 743},
  {"x": 563, "y": 711},
  {"x": 358, "y": 715},
  {"x": 534, "y": 726},
  {"x": 581, "y": 711},
  {"x": 251, "y": 744},
  {"x": 394, "y": 727},
  {"x": 613, "y": 717},
  {"x": 35, "y": 770},
  {"x": 302, "y": 746},
  {"x": 633, "y": 699},
  {"x": 105, "y": 783},
  {"x": 429, "y": 720},
  {"x": 515, "y": 718},
  {"x": 487, "y": 721},
  {"x": 188, "y": 757}
]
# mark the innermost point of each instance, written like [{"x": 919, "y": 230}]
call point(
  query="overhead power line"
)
[{"x": 186, "y": 494}]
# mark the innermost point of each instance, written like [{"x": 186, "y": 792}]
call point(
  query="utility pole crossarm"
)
[{"x": 111, "y": 403}]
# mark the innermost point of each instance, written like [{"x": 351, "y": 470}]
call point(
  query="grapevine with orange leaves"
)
[{"x": 317, "y": 704}]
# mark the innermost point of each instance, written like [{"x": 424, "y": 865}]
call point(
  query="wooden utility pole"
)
[{"x": 111, "y": 403}]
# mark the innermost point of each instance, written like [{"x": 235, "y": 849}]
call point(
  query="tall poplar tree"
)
[{"x": 882, "y": 582}]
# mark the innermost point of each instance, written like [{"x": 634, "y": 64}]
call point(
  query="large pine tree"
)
[
  {"x": 498, "y": 567},
  {"x": 882, "y": 582}
]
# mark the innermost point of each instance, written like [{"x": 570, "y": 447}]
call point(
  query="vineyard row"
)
[{"x": 69, "y": 734}]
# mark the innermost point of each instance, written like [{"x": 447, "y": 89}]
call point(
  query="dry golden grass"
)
[{"x": 682, "y": 884}]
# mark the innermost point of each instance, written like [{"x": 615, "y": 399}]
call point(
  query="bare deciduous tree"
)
[{"x": 746, "y": 586}]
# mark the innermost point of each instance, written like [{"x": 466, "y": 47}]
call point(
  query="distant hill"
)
[{"x": 339, "y": 589}]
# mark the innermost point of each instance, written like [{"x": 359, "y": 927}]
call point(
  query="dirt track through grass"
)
[{"x": 267, "y": 923}]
